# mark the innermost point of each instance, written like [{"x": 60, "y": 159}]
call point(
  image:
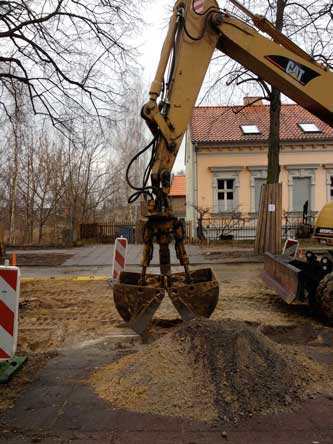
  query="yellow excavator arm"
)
[
  {"x": 189, "y": 46},
  {"x": 191, "y": 40}
]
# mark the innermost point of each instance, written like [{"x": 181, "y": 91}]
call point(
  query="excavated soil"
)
[
  {"x": 209, "y": 371},
  {"x": 57, "y": 314}
]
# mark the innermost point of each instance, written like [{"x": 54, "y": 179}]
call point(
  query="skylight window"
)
[
  {"x": 309, "y": 128},
  {"x": 250, "y": 129}
]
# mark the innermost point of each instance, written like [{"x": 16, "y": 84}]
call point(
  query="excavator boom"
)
[
  {"x": 276, "y": 60},
  {"x": 192, "y": 38}
]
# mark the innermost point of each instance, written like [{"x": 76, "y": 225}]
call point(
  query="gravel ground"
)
[{"x": 63, "y": 314}]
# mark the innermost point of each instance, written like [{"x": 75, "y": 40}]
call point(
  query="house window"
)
[
  {"x": 250, "y": 129},
  {"x": 258, "y": 182},
  {"x": 301, "y": 192},
  {"x": 331, "y": 188},
  {"x": 225, "y": 194},
  {"x": 309, "y": 128}
]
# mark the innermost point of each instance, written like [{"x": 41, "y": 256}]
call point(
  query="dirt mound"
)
[{"x": 207, "y": 370}]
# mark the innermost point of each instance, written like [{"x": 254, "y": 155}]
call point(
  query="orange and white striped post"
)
[
  {"x": 290, "y": 248},
  {"x": 119, "y": 257},
  {"x": 9, "y": 305}
]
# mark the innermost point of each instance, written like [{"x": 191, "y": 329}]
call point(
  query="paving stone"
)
[
  {"x": 150, "y": 438},
  {"x": 62, "y": 438},
  {"x": 136, "y": 422},
  {"x": 28, "y": 420},
  {"x": 207, "y": 438},
  {"x": 103, "y": 255},
  {"x": 196, "y": 426}
]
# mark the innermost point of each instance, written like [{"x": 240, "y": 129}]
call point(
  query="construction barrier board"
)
[
  {"x": 290, "y": 248},
  {"x": 119, "y": 257},
  {"x": 9, "y": 305}
]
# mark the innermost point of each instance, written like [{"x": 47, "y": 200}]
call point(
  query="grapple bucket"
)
[
  {"x": 137, "y": 304},
  {"x": 197, "y": 299}
]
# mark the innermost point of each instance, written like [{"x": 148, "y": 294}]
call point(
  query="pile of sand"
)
[{"x": 208, "y": 371}]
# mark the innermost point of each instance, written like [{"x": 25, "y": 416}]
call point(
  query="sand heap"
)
[{"x": 208, "y": 371}]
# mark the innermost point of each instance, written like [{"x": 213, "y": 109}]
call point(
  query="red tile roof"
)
[
  {"x": 178, "y": 186},
  {"x": 222, "y": 124}
]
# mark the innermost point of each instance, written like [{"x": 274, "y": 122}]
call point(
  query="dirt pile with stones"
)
[{"x": 208, "y": 371}]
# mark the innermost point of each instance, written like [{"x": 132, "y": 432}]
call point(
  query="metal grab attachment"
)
[
  {"x": 138, "y": 296},
  {"x": 137, "y": 303},
  {"x": 163, "y": 229},
  {"x": 197, "y": 299}
]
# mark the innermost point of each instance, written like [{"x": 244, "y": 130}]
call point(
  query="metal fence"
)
[
  {"x": 233, "y": 227},
  {"x": 239, "y": 227},
  {"x": 107, "y": 232}
]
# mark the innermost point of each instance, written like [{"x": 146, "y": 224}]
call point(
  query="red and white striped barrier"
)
[
  {"x": 9, "y": 304},
  {"x": 290, "y": 248},
  {"x": 198, "y": 6},
  {"x": 119, "y": 257}
]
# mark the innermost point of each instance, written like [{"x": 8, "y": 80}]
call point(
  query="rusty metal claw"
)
[{"x": 137, "y": 304}]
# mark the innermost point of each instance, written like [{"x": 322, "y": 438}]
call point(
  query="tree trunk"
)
[
  {"x": 273, "y": 171},
  {"x": 268, "y": 235},
  {"x": 13, "y": 192}
]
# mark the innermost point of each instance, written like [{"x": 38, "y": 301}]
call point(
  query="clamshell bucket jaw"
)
[{"x": 137, "y": 303}]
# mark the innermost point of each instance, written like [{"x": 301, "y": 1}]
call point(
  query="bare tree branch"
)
[{"x": 68, "y": 51}]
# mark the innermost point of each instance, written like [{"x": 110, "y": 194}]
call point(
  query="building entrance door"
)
[{"x": 301, "y": 192}]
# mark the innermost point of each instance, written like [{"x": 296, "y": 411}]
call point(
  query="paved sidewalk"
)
[
  {"x": 102, "y": 255},
  {"x": 96, "y": 260},
  {"x": 59, "y": 407}
]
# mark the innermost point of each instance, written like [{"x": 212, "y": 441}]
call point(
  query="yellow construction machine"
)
[
  {"x": 196, "y": 29},
  {"x": 323, "y": 230}
]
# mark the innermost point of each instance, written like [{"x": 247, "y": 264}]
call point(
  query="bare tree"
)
[
  {"x": 15, "y": 140},
  {"x": 66, "y": 53},
  {"x": 89, "y": 178},
  {"x": 128, "y": 137},
  {"x": 49, "y": 182},
  {"x": 47, "y": 176}
]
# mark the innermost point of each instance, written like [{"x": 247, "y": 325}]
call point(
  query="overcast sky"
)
[{"x": 157, "y": 16}]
